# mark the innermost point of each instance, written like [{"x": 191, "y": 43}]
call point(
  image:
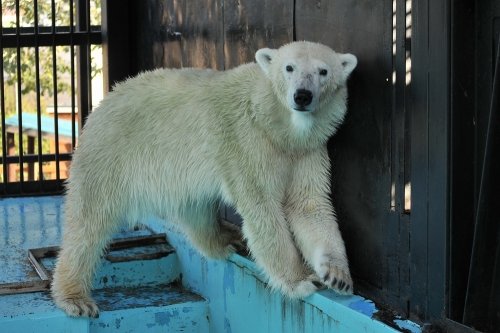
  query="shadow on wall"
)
[{"x": 209, "y": 35}]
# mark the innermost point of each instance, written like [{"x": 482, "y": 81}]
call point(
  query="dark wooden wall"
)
[
  {"x": 209, "y": 34},
  {"x": 368, "y": 154},
  {"x": 410, "y": 141}
]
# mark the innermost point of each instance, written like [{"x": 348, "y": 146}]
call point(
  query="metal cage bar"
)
[
  {"x": 2, "y": 108},
  {"x": 72, "y": 70},
  {"x": 19, "y": 98},
  {"x": 83, "y": 60},
  {"x": 38, "y": 102},
  {"x": 28, "y": 154},
  {"x": 54, "y": 82}
]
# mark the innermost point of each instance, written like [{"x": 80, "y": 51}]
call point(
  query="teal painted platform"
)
[{"x": 179, "y": 292}]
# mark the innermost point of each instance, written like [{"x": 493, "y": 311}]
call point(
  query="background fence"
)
[{"x": 45, "y": 89}]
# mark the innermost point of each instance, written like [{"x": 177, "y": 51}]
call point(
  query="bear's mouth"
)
[{"x": 301, "y": 109}]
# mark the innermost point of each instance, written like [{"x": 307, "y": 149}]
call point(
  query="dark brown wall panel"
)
[
  {"x": 180, "y": 34},
  {"x": 250, "y": 25}
]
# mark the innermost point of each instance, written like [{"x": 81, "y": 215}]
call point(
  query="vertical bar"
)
[
  {"x": 11, "y": 146},
  {"x": 420, "y": 161},
  {"x": 486, "y": 230},
  {"x": 31, "y": 150},
  {"x": 72, "y": 65},
  {"x": 38, "y": 104},
  {"x": 398, "y": 236},
  {"x": 2, "y": 110},
  {"x": 399, "y": 116},
  {"x": 462, "y": 163},
  {"x": 54, "y": 80},
  {"x": 89, "y": 56},
  {"x": 429, "y": 156},
  {"x": 83, "y": 63},
  {"x": 407, "y": 107},
  {"x": 438, "y": 140},
  {"x": 19, "y": 98}
]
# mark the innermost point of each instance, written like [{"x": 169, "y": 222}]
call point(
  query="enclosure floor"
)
[
  {"x": 27, "y": 223},
  {"x": 233, "y": 288},
  {"x": 135, "y": 296}
]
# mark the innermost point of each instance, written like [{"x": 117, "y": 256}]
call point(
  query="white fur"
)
[
  {"x": 302, "y": 122},
  {"x": 174, "y": 143}
]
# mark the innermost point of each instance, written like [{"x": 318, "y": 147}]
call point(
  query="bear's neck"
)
[{"x": 294, "y": 131}]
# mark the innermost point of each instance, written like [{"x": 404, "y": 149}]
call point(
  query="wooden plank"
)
[
  {"x": 250, "y": 25},
  {"x": 420, "y": 160},
  {"x": 178, "y": 34},
  {"x": 461, "y": 155},
  {"x": 438, "y": 63},
  {"x": 155, "y": 19},
  {"x": 116, "y": 45},
  {"x": 24, "y": 287},
  {"x": 482, "y": 308},
  {"x": 202, "y": 34},
  {"x": 429, "y": 126}
]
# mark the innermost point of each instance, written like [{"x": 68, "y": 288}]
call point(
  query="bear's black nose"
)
[{"x": 303, "y": 97}]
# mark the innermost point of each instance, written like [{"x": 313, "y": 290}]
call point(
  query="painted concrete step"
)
[
  {"x": 159, "y": 308},
  {"x": 121, "y": 269},
  {"x": 36, "y": 223},
  {"x": 133, "y": 266}
]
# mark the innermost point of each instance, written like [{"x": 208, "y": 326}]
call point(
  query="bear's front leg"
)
[
  {"x": 272, "y": 246},
  {"x": 312, "y": 220}
]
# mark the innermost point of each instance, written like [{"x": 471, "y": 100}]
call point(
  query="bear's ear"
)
[
  {"x": 264, "y": 58},
  {"x": 348, "y": 62}
]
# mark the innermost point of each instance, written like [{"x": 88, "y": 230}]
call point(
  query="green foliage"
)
[
  {"x": 28, "y": 69},
  {"x": 46, "y": 56},
  {"x": 27, "y": 55},
  {"x": 44, "y": 7}
]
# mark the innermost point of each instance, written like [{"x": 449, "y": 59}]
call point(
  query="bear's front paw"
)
[
  {"x": 301, "y": 288},
  {"x": 334, "y": 276},
  {"x": 79, "y": 306}
]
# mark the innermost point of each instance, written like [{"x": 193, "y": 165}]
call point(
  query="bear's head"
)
[{"x": 305, "y": 75}]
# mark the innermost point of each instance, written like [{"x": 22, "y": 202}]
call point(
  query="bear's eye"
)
[
  {"x": 323, "y": 72},
  {"x": 289, "y": 68}
]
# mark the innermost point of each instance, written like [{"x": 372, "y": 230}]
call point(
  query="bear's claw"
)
[
  {"x": 333, "y": 276},
  {"x": 79, "y": 307},
  {"x": 343, "y": 284}
]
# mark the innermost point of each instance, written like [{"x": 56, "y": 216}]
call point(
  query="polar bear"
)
[{"x": 177, "y": 142}]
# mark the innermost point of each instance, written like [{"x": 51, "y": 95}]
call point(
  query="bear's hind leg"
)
[
  {"x": 213, "y": 238},
  {"x": 83, "y": 243}
]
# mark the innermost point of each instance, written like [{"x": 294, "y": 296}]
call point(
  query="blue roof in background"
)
[{"x": 30, "y": 122}]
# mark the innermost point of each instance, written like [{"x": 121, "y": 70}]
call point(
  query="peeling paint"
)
[
  {"x": 163, "y": 318},
  {"x": 228, "y": 283},
  {"x": 240, "y": 300},
  {"x": 204, "y": 269},
  {"x": 408, "y": 325},
  {"x": 229, "y": 278},
  {"x": 364, "y": 306},
  {"x": 227, "y": 326}
]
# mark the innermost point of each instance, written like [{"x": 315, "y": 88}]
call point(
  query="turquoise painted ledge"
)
[
  {"x": 240, "y": 301},
  {"x": 236, "y": 297}
]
